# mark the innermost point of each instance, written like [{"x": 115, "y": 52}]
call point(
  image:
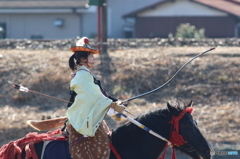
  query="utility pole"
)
[
  {"x": 102, "y": 34},
  {"x": 104, "y": 26},
  {"x": 99, "y": 28}
]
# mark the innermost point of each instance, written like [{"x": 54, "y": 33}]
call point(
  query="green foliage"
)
[
  {"x": 186, "y": 30},
  {"x": 92, "y": 35},
  {"x": 95, "y": 2}
]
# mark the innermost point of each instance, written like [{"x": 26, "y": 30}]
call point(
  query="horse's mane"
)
[
  {"x": 162, "y": 112},
  {"x": 156, "y": 119}
]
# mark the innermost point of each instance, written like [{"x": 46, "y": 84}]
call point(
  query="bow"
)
[{"x": 154, "y": 90}]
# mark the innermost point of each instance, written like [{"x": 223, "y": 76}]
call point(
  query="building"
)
[
  {"x": 61, "y": 19},
  {"x": 64, "y": 19},
  {"x": 119, "y": 27},
  {"x": 219, "y": 18},
  {"x": 52, "y": 19}
]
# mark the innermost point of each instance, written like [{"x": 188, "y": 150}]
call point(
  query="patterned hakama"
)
[{"x": 96, "y": 147}]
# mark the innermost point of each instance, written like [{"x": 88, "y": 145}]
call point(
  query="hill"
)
[{"x": 212, "y": 81}]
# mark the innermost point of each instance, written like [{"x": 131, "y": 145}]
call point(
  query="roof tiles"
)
[{"x": 230, "y": 6}]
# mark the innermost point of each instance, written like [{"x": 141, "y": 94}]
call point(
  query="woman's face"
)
[{"x": 90, "y": 60}]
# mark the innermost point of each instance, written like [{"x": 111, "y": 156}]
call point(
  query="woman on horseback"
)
[{"x": 87, "y": 130}]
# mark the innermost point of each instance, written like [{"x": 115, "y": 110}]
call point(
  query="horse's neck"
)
[
  {"x": 131, "y": 140},
  {"x": 157, "y": 121}
]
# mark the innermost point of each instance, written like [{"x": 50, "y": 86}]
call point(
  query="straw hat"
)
[{"x": 83, "y": 45}]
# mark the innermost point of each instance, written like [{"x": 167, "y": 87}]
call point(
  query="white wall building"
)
[
  {"x": 47, "y": 19},
  {"x": 64, "y": 19}
]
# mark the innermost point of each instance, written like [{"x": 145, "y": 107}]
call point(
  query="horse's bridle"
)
[{"x": 175, "y": 138}]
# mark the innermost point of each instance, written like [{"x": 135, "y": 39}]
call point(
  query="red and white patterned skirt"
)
[{"x": 96, "y": 147}]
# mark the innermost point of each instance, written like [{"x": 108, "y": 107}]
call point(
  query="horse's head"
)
[{"x": 185, "y": 134}]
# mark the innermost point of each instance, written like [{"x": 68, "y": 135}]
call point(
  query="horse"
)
[{"x": 131, "y": 142}]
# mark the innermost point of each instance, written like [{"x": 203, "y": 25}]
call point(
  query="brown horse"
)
[{"x": 131, "y": 142}]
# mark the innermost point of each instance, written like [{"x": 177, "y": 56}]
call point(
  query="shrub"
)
[{"x": 186, "y": 30}]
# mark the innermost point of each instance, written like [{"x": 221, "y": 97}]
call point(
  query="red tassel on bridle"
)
[{"x": 175, "y": 138}]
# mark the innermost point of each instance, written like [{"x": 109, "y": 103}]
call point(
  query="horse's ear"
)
[
  {"x": 190, "y": 104},
  {"x": 172, "y": 109}
]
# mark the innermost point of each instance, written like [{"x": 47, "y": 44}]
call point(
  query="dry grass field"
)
[{"x": 212, "y": 81}]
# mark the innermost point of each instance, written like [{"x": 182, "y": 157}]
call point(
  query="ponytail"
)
[
  {"x": 77, "y": 57},
  {"x": 71, "y": 62}
]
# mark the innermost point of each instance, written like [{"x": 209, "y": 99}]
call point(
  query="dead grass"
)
[{"x": 211, "y": 81}]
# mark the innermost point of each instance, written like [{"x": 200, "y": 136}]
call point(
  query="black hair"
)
[{"x": 77, "y": 57}]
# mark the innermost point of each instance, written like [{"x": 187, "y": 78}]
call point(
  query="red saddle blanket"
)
[{"x": 14, "y": 149}]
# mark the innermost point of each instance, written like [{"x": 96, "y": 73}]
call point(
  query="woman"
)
[{"x": 88, "y": 137}]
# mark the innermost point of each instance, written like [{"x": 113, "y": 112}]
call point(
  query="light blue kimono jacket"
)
[{"x": 90, "y": 105}]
